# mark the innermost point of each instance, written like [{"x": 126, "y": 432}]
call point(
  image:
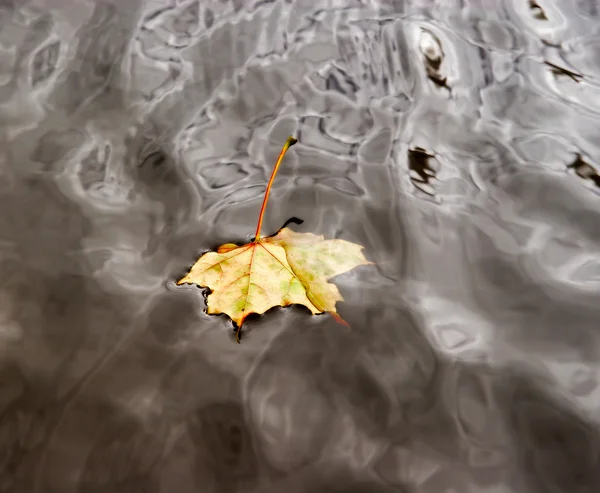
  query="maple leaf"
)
[{"x": 280, "y": 270}]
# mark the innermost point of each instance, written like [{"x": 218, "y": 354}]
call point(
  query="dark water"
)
[{"x": 457, "y": 140}]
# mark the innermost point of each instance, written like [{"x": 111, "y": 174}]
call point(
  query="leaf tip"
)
[
  {"x": 227, "y": 247},
  {"x": 339, "y": 319}
]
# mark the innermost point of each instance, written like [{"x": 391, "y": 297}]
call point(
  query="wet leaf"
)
[{"x": 285, "y": 269}]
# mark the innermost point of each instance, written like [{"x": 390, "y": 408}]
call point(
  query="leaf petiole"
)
[{"x": 288, "y": 143}]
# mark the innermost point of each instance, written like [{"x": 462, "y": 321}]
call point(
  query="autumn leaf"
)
[{"x": 285, "y": 269}]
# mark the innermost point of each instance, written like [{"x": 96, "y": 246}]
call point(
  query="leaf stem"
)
[{"x": 288, "y": 143}]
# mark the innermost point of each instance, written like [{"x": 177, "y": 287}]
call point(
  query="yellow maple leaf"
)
[{"x": 284, "y": 269}]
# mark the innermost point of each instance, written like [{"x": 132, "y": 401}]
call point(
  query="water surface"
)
[{"x": 458, "y": 141}]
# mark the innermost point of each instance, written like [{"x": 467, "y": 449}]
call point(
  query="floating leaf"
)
[{"x": 285, "y": 269}]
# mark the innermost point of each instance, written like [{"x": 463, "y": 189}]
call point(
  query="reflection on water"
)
[{"x": 456, "y": 140}]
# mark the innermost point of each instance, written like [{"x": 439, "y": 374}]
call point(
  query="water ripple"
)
[{"x": 456, "y": 140}]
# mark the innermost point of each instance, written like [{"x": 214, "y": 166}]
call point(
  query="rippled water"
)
[{"x": 457, "y": 140}]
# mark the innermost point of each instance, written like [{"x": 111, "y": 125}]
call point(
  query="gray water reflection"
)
[{"x": 457, "y": 140}]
